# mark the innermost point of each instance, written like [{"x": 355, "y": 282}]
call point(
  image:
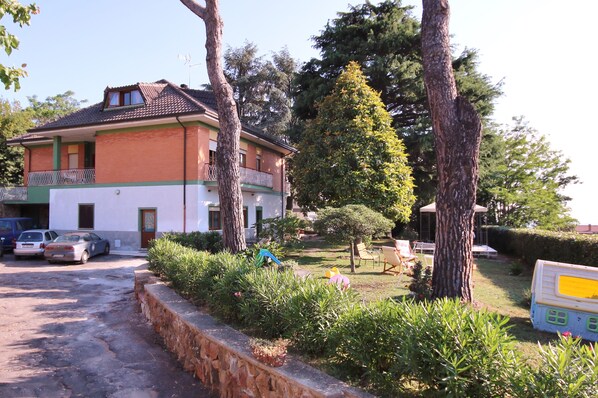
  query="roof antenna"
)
[{"x": 186, "y": 58}]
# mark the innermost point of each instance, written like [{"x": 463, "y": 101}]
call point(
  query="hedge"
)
[
  {"x": 531, "y": 244},
  {"x": 438, "y": 349}
]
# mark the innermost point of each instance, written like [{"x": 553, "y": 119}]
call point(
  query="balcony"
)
[
  {"x": 13, "y": 194},
  {"x": 248, "y": 176},
  {"x": 61, "y": 177}
]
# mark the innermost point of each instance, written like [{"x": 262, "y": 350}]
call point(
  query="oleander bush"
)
[
  {"x": 533, "y": 244},
  {"x": 440, "y": 349}
]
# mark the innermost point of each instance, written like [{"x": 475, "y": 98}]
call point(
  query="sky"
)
[{"x": 542, "y": 51}]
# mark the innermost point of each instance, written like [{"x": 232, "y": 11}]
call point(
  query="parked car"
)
[
  {"x": 11, "y": 228},
  {"x": 33, "y": 242},
  {"x": 1, "y": 247},
  {"x": 76, "y": 246}
]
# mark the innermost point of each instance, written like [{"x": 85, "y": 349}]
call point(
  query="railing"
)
[
  {"x": 248, "y": 176},
  {"x": 61, "y": 177},
  {"x": 13, "y": 193}
]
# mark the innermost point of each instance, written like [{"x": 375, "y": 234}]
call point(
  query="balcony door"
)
[{"x": 148, "y": 226}]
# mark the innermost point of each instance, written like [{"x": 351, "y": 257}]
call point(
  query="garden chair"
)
[
  {"x": 405, "y": 252},
  {"x": 393, "y": 263},
  {"x": 366, "y": 255}
]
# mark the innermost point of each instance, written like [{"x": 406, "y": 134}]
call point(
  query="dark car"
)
[
  {"x": 76, "y": 246},
  {"x": 11, "y": 228}
]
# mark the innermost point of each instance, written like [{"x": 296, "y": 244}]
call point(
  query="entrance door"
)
[{"x": 148, "y": 226}]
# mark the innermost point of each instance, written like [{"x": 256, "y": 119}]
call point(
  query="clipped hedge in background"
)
[
  {"x": 202, "y": 241},
  {"x": 438, "y": 349},
  {"x": 532, "y": 244}
]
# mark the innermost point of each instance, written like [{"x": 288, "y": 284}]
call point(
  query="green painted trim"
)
[
  {"x": 57, "y": 145},
  {"x": 208, "y": 126},
  {"x": 259, "y": 208}
]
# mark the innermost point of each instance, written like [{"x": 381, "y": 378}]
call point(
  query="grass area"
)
[{"x": 494, "y": 287}]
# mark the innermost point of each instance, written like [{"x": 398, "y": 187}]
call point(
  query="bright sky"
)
[{"x": 542, "y": 50}]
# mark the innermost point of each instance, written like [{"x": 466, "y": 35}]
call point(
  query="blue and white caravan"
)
[{"x": 565, "y": 299}]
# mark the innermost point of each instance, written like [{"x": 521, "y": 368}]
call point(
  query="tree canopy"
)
[
  {"x": 385, "y": 39},
  {"x": 262, "y": 88},
  {"x": 14, "y": 121},
  {"x": 21, "y": 15},
  {"x": 349, "y": 223},
  {"x": 53, "y": 108},
  {"x": 522, "y": 179},
  {"x": 350, "y": 153}
]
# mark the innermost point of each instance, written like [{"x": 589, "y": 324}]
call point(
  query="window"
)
[
  {"x": 86, "y": 216},
  {"x": 243, "y": 159},
  {"x": 124, "y": 98},
  {"x": 212, "y": 157},
  {"x": 214, "y": 219},
  {"x": 258, "y": 162}
]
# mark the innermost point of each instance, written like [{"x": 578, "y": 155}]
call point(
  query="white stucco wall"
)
[{"x": 116, "y": 209}]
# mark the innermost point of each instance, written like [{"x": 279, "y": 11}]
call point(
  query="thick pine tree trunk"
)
[
  {"x": 227, "y": 156},
  {"x": 457, "y": 131}
]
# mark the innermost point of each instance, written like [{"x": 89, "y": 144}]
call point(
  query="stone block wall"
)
[{"x": 219, "y": 356}]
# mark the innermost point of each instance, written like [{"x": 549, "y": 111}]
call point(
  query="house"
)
[
  {"x": 141, "y": 163},
  {"x": 587, "y": 229}
]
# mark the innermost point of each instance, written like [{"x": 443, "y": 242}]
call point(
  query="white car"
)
[{"x": 33, "y": 242}]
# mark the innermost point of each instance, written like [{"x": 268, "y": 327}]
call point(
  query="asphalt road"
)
[{"x": 75, "y": 331}]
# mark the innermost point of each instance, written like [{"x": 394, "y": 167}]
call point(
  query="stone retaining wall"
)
[{"x": 219, "y": 355}]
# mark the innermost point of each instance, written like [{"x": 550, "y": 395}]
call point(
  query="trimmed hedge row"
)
[
  {"x": 532, "y": 244},
  {"x": 442, "y": 348}
]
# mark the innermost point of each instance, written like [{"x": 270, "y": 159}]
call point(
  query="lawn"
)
[{"x": 494, "y": 287}]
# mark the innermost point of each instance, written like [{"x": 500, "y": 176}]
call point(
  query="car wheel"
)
[
  {"x": 17, "y": 258},
  {"x": 107, "y": 249},
  {"x": 84, "y": 257}
]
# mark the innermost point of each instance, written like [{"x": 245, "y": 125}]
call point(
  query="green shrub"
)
[
  {"x": 201, "y": 241},
  {"x": 265, "y": 294},
  {"x": 223, "y": 298},
  {"x": 312, "y": 310},
  {"x": 532, "y": 244},
  {"x": 363, "y": 341},
  {"x": 282, "y": 230},
  {"x": 447, "y": 348},
  {"x": 567, "y": 369}
]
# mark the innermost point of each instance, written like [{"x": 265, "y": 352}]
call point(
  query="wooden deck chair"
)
[
  {"x": 365, "y": 255},
  {"x": 405, "y": 252},
  {"x": 393, "y": 262}
]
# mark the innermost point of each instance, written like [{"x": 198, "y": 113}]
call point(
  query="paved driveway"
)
[{"x": 74, "y": 331}]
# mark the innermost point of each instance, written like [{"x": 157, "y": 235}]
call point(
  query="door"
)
[
  {"x": 258, "y": 218},
  {"x": 148, "y": 226}
]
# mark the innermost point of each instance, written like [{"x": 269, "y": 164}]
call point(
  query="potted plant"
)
[{"x": 271, "y": 353}]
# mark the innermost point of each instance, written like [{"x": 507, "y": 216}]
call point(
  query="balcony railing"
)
[
  {"x": 62, "y": 177},
  {"x": 13, "y": 194},
  {"x": 248, "y": 176}
]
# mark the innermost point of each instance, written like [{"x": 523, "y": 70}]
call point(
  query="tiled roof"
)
[{"x": 162, "y": 98}]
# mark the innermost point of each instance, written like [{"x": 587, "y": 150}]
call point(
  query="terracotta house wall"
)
[
  {"x": 145, "y": 156},
  {"x": 271, "y": 163}
]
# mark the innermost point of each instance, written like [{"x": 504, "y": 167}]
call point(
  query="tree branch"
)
[{"x": 195, "y": 8}]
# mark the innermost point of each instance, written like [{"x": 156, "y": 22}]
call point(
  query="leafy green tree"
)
[
  {"x": 21, "y": 15},
  {"x": 350, "y": 223},
  {"x": 14, "y": 121},
  {"x": 53, "y": 108},
  {"x": 385, "y": 39},
  {"x": 261, "y": 88},
  {"x": 350, "y": 153},
  {"x": 522, "y": 182}
]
